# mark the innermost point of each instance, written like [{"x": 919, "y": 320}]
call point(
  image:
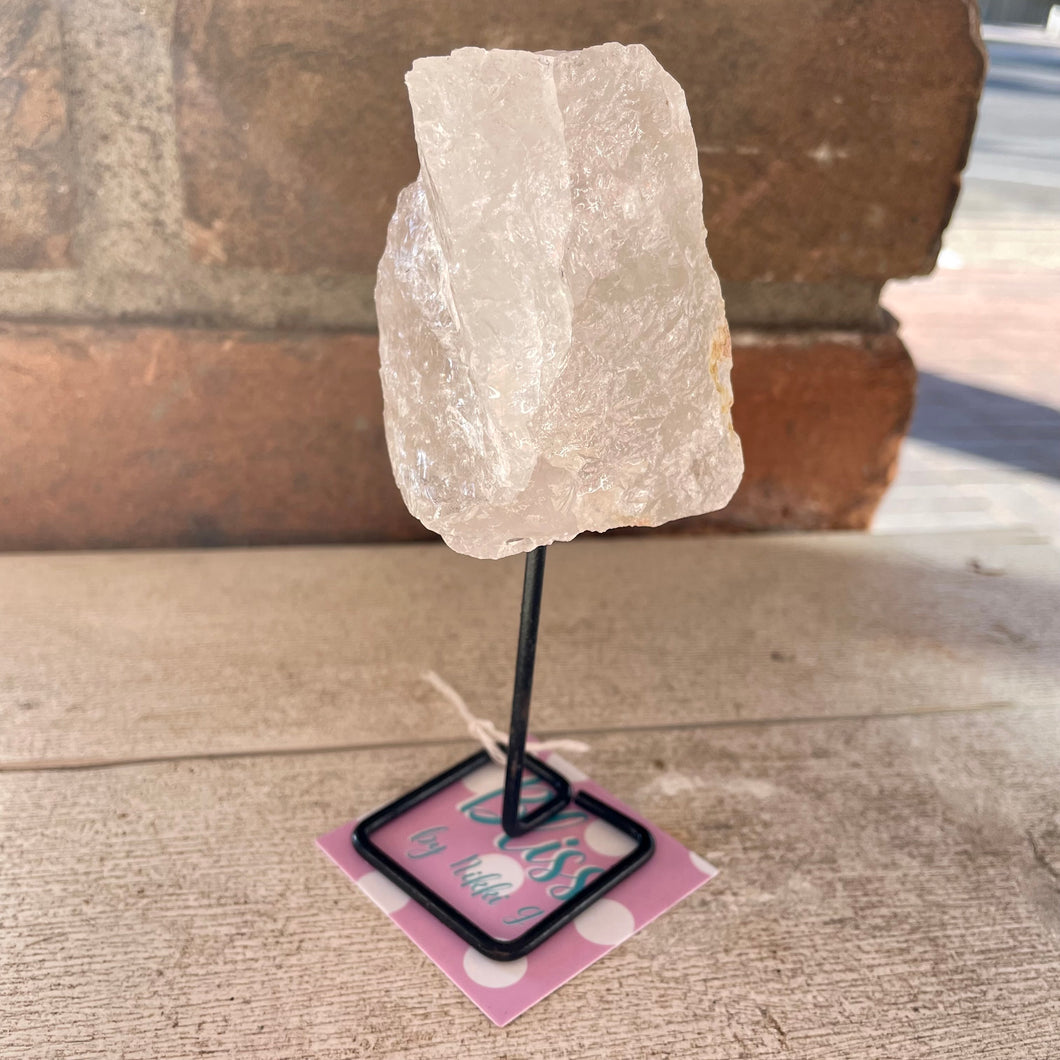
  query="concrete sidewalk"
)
[
  {"x": 984, "y": 329},
  {"x": 984, "y": 447}
]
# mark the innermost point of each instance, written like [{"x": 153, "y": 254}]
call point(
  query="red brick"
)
[
  {"x": 821, "y": 418},
  {"x": 831, "y": 132},
  {"x": 156, "y": 437},
  {"x": 149, "y": 436}
]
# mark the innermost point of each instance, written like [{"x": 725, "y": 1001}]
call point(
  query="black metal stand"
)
[
  {"x": 529, "y": 619},
  {"x": 518, "y": 763}
]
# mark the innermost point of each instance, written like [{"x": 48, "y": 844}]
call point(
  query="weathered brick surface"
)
[
  {"x": 151, "y": 436},
  {"x": 821, "y": 418},
  {"x": 147, "y": 436},
  {"x": 831, "y": 132},
  {"x": 37, "y": 174}
]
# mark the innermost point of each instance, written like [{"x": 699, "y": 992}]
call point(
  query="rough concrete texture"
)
[
  {"x": 861, "y": 733},
  {"x": 158, "y": 437},
  {"x": 38, "y": 200},
  {"x": 830, "y": 134}
]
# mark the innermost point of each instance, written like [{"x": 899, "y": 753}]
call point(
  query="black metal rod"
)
[
  {"x": 529, "y": 618},
  {"x": 517, "y": 763}
]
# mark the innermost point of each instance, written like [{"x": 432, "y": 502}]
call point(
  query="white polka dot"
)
[
  {"x": 564, "y": 768},
  {"x": 509, "y": 870},
  {"x": 486, "y": 778},
  {"x": 494, "y": 974},
  {"x": 605, "y": 922},
  {"x": 388, "y": 896},
  {"x": 606, "y": 839},
  {"x": 702, "y": 864}
]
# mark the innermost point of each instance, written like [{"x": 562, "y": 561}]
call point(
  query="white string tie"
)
[{"x": 487, "y": 734}]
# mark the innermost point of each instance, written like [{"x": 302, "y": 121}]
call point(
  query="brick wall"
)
[{"x": 194, "y": 193}]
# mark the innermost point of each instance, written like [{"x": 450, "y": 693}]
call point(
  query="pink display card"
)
[{"x": 455, "y": 844}]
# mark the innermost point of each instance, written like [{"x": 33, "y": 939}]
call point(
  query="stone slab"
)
[
  {"x": 158, "y": 437},
  {"x": 831, "y": 135},
  {"x": 887, "y": 891},
  {"x": 128, "y": 656},
  {"x": 38, "y": 194}
]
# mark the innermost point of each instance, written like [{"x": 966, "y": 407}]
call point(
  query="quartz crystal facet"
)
[{"x": 555, "y": 356}]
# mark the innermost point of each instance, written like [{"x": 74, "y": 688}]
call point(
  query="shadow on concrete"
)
[
  {"x": 1027, "y": 83},
  {"x": 1013, "y": 53},
  {"x": 987, "y": 424},
  {"x": 1024, "y": 68}
]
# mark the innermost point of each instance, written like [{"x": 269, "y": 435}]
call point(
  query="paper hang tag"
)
[{"x": 455, "y": 844}]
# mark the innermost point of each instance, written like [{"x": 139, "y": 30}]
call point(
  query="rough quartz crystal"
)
[{"x": 555, "y": 356}]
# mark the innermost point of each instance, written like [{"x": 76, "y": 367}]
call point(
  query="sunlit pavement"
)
[{"x": 984, "y": 329}]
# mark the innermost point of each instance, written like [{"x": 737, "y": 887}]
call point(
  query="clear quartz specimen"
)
[{"x": 555, "y": 355}]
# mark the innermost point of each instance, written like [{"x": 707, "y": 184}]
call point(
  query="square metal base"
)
[{"x": 494, "y": 948}]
